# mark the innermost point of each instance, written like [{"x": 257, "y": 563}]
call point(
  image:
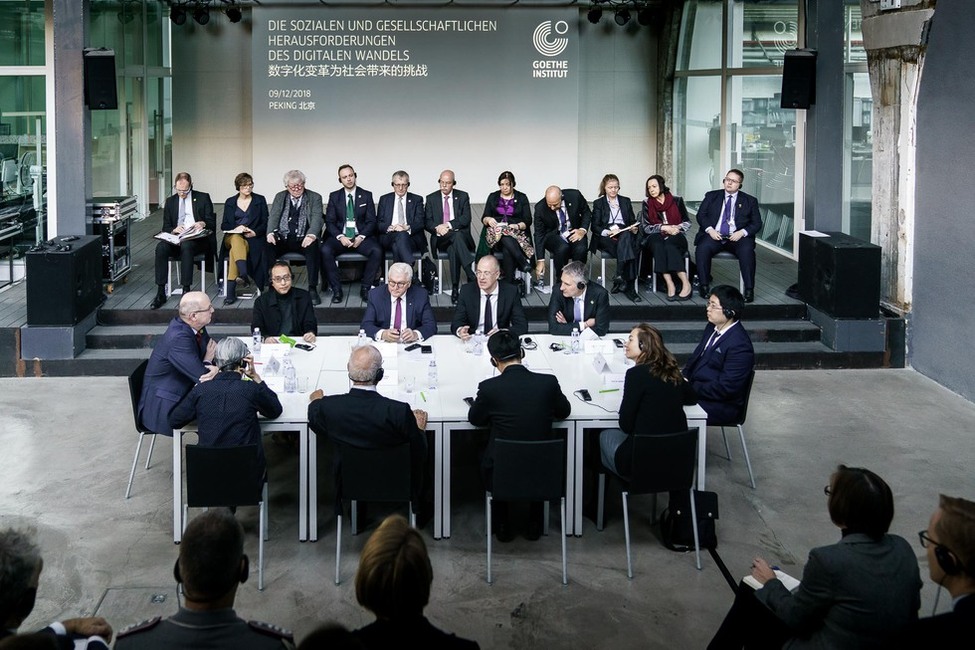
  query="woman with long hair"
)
[{"x": 664, "y": 220}]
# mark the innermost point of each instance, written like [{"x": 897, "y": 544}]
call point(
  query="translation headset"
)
[
  {"x": 947, "y": 560},
  {"x": 519, "y": 355},
  {"x": 728, "y": 313},
  {"x": 581, "y": 285},
  {"x": 376, "y": 378}
]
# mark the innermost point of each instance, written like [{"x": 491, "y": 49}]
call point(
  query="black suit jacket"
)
[
  {"x": 460, "y": 213},
  {"x": 366, "y": 223},
  {"x": 419, "y": 313},
  {"x": 518, "y": 405},
  {"x": 256, "y": 218},
  {"x": 719, "y": 375},
  {"x": 175, "y": 366},
  {"x": 510, "y": 314},
  {"x": 596, "y": 306},
  {"x": 546, "y": 220},
  {"x": 747, "y": 215},
  {"x": 601, "y": 217},
  {"x": 202, "y": 211},
  {"x": 267, "y": 314},
  {"x": 522, "y": 213},
  {"x": 415, "y": 217},
  {"x": 959, "y": 623}
]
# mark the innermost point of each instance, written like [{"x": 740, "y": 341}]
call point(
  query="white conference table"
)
[{"x": 459, "y": 372}]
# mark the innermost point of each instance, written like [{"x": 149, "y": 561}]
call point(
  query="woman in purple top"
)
[{"x": 507, "y": 221}]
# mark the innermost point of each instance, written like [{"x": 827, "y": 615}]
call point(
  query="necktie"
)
[
  {"x": 725, "y": 226},
  {"x": 199, "y": 338},
  {"x": 488, "y": 320},
  {"x": 398, "y": 318},
  {"x": 446, "y": 209},
  {"x": 184, "y": 212},
  {"x": 401, "y": 216},
  {"x": 578, "y": 302},
  {"x": 561, "y": 220},
  {"x": 714, "y": 336},
  {"x": 350, "y": 209}
]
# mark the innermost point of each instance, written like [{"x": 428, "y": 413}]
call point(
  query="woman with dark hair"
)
[
  {"x": 393, "y": 582},
  {"x": 615, "y": 230},
  {"x": 664, "y": 220},
  {"x": 856, "y": 593},
  {"x": 244, "y": 228},
  {"x": 507, "y": 221},
  {"x": 654, "y": 394}
]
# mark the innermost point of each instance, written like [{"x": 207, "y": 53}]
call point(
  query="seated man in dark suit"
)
[
  {"x": 401, "y": 220},
  {"x": 180, "y": 360},
  {"x": 448, "y": 220},
  {"x": 578, "y": 304},
  {"x": 488, "y": 305},
  {"x": 515, "y": 404},
  {"x": 351, "y": 227},
  {"x": 399, "y": 312},
  {"x": 364, "y": 418},
  {"x": 20, "y": 573},
  {"x": 295, "y": 224},
  {"x": 287, "y": 310},
  {"x": 722, "y": 362},
  {"x": 729, "y": 220},
  {"x": 185, "y": 210},
  {"x": 562, "y": 220}
]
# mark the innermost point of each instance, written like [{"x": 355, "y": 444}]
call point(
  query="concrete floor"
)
[{"x": 67, "y": 446}]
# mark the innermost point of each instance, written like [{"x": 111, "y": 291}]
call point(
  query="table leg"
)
[
  {"x": 580, "y": 437},
  {"x": 304, "y": 489},
  {"x": 177, "y": 486},
  {"x": 446, "y": 481},
  {"x": 438, "y": 435},
  {"x": 702, "y": 439},
  {"x": 312, "y": 442}
]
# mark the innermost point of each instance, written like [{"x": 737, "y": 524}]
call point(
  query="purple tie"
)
[
  {"x": 398, "y": 318},
  {"x": 446, "y": 209},
  {"x": 561, "y": 220},
  {"x": 725, "y": 226}
]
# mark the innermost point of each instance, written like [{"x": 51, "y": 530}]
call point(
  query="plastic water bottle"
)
[
  {"x": 256, "y": 349},
  {"x": 478, "y": 342},
  {"x": 362, "y": 339},
  {"x": 432, "y": 379},
  {"x": 290, "y": 375},
  {"x": 576, "y": 346}
]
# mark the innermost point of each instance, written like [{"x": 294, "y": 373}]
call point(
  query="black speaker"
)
[
  {"x": 840, "y": 275},
  {"x": 63, "y": 287},
  {"x": 100, "y": 90},
  {"x": 799, "y": 79}
]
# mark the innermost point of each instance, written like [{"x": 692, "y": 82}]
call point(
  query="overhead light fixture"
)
[
  {"x": 177, "y": 14},
  {"x": 594, "y": 15},
  {"x": 644, "y": 17},
  {"x": 622, "y": 17},
  {"x": 234, "y": 14},
  {"x": 202, "y": 15}
]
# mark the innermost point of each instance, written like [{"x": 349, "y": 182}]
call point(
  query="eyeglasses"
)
[
  {"x": 827, "y": 491},
  {"x": 281, "y": 279},
  {"x": 401, "y": 184},
  {"x": 712, "y": 305},
  {"x": 202, "y": 311},
  {"x": 398, "y": 285},
  {"x": 485, "y": 274},
  {"x": 734, "y": 181},
  {"x": 296, "y": 186},
  {"x": 186, "y": 191}
]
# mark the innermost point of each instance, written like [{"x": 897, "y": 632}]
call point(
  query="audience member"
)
[
  {"x": 401, "y": 220},
  {"x": 210, "y": 566},
  {"x": 515, "y": 404},
  {"x": 664, "y": 220},
  {"x": 398, "y": 311},
  {"x": 393, "y": 582},
  {"x": 729, "y": 220},
  {"x": 507, "y": 221},
  {"x": 180, "y": 359},
  {"x": 488, "y": 305},
  {"x": 578, "y": 305},
  {"x": 244, "y": 229},
  {"x": 616, "y": 231},
  {"x": 855, "y": 593},
  {"x": 351, "y": 227},
  {"x": 286, "y": 310},
  {"x": 295, "y": 223},
  {"x": 448, "y": 220},
  {"x": 226, "y": 408},
  {"x": 654, "y": 394},
  {"x": 721, "y": 364},
  {"x": 561, "y": 222},
  {"x": 185, "y": 213}
]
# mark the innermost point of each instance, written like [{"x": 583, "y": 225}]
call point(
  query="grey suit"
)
[{"x": 311, "y": 221}]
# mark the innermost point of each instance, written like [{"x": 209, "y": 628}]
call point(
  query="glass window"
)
[
  {"x": 701, "y": 23},
  {"x": 858, "y": 157},
  {"x": 854, "y": 37},
  {"x": 697, "y": 137},
  {"x": 22, "y": 32},
  {"x": 762, "y": 32},
  {"x": 23, "y": 152}
]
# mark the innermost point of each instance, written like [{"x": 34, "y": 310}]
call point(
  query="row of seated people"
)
[{"x": 299, "y": 221}]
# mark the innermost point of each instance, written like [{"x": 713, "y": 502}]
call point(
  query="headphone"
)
[
  {"x": 376, "y": 378},
  {"x": 947, "y": 560},
  {"x": 581, "y": 285},
  {"x": 519, "y": 355},
  {"x": 728, "y": 313}
]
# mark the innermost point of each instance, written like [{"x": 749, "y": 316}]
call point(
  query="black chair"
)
[
  {"x": 528, "y": 470},
  {"x": 660, "y": 463},
  {"x": 382, "y": 475},
  {"x": 136, "y": 380},
  {"x": 739, "y": 422},
  {"x": 227, "y": 477}
]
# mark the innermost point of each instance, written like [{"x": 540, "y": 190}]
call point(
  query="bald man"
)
[
  {"x": 562, "y": 221},
  {"x": 448, "y": 220}
]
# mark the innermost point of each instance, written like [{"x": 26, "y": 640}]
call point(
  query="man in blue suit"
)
[
  {"x": 729, "y": 220},
  {"x": 350, "y": 227},
  {"x": 401, "y": 220},
  {"x": 178, "y": 362},
  {"x": 723, "y": 361},
  {"x": 399, "y": 312}
]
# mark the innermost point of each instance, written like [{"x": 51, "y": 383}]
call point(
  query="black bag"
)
[
  {"x": 428, "y": 275},
  {"x": 676, "y": 529}
]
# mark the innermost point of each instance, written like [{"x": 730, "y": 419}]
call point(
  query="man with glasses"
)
[
  {"x": 448, "y": 220},
  {"x": 398, "y": 312},
  {"x": 294, "y": 225},
  {"x": 488, "y": 306},
  {"x": 287, "y": 310},
  {"x": 187, "y": 212},
  {"x": 729, "y": 220},
  {"x": 401, "y": 220},
  {"x": 723, "y": 361},
  {"x": 182, "y": 358},
  {"x": 351, "y": 227}
]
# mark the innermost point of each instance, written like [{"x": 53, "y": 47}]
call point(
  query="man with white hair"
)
[
  {"x": 579, "y": 304},
  {"x": 295, "y": 224},
  {"x": 398, "y": 311}
]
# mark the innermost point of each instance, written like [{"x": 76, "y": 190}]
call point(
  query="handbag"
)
[{"x": 676, "y": 529}]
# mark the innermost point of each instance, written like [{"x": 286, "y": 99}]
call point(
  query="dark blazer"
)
[
  {"x": 311, "y": 208},
  {"x": 596, "y": 306},
  {"x": 522, "y": 213},
  {"x": 256, "y": 220},
  {"x": 202, "y": 211},
  {"x": 415, "y": 217},
  {"x": 853, "y": 594},
  {"x": 518, "y": 405},
  {"x": 576, "y": 211},
  {"x": 601, "y": 217},
  {"x": 366, "y": 223},
  {"x": 460, "y": 213},
  {"x": 267, "y": 314},
  {"x": 720, "y": 374},
  {"x": 510, "y": 314},
  {"x": 956, "y": 624},
  {"x": 226, "y": 409},
  {"x": 382, "y": 634},
  {"x": 650, "y": 406},
  {"x": 419, "y": 313},
  {"x": 175, "y": 366},
  {"x": 747, "y": 215}
]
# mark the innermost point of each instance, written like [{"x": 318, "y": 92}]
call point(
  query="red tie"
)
[
  {"x": 199, "y": 339},
  {"x": 446, "y": 209},
  {"x": 398, "y": 318}
]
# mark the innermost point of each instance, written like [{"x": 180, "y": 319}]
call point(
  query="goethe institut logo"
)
[{"x": 550, "y": 41}]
